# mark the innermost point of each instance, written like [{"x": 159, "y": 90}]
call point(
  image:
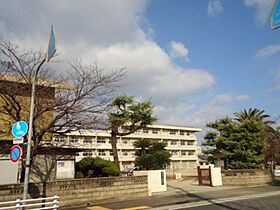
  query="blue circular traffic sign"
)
[
  {"x": 19, "y": 129},
  {"x": 15, "y": 154}
]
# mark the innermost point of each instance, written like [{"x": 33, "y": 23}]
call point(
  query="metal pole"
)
[{"x": 30, "y": 131}]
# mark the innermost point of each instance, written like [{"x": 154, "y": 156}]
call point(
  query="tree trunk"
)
[{"x": 114, "y": 146}]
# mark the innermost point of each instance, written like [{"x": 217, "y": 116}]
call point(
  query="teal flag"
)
[
  {"x": 52, "y": 45},
  {"x": 275, "y": 15}
]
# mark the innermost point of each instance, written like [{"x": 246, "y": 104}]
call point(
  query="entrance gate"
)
[{"x": 204, "y": 176}]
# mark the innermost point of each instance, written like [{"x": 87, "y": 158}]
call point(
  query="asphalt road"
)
[
  {"x": 265, "y": 203},
  {"x": 262, "y": 197},
  {"x": 181, "y": 197}
]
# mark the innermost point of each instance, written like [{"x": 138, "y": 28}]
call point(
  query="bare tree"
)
[{"x": 75, "y": 100}]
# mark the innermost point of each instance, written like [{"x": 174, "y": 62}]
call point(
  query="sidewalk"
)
[
  {"x": 191, "y": 186},
  {"x": 178, "y": 191}
]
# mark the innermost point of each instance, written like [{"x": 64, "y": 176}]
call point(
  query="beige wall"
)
[
  {"x": 80, "y": 192},
  {"x": 246, "y": 177},
  {"x": 21, "y": 93}
]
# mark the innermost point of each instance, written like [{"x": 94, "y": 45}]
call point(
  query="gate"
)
[
  {"x": 37, "y": 203},
  {"x": 204, "y": 176}
]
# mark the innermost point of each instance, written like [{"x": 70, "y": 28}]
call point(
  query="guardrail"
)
[{"x": 32, "y": 204}]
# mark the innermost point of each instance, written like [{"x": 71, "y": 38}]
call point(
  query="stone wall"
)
[
  {"x": 82, "y": 192},
  {"x": 246, "y": 177}
]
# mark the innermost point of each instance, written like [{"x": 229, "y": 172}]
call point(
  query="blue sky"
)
[{"x": 196, "y": 60}]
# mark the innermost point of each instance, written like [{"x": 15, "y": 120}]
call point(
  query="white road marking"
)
[{"x": 216, "y": 201}]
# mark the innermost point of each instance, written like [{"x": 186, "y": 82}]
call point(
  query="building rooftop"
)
[{"x": 41, "y": 82}]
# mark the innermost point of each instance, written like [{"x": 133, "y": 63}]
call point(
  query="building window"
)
[
  {"x": 88, "y": 140},
  {"x": 155, "y": 131},
  {"x": 183, "y": 142},
  {"x": 74, "y": 139},
  {"x": 173, "y": 142},
  {"x": 145, "y": 131},
  {"x": 125, "y": 142},
  {"x": 125, "y": 153},
  {"x": 111, "y": 153},
  {"x": 87, "y": 153},
  {"x": 172, "y": 132},
  {"x": 174, "y": 153},
  {"x": 182, "y": 133},
  {"x": 60, "y": 139},
  {"x": 101, "y": 141},
  {"x": 183, "y": 153},
  {"x": 190, "y": 143},
  {"x": 101, "y": 153},
  {"x": 191, "y": 152}
]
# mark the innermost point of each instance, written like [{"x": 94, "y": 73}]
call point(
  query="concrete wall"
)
[
  {"x": 8, "y": 171},
  {"x": 156, "y": 180},
  {"x": 246, "y": 177},
  {"x": 44, "y": 166},
  {"x": 80, "y": 192}
]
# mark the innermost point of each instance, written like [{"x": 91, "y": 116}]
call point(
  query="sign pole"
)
[
  {"x": 30, "y": 131},
  {"x": 48, "y": 56}
]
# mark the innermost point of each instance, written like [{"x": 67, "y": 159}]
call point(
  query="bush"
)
[{"x": 96, "y": 167}]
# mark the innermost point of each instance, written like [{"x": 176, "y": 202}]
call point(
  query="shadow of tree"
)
[{"x": 199, "y": 197}]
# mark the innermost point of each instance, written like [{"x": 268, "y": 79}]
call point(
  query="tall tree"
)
[
  {"x": 252, "y": 115},
  {"x": 151, "y": 155},
  {"x": 272, "y": 147},
  {"x": 75, "y": 99},
  {"x": 126, "y": 117},
  {"x": 240, "y": 139}
]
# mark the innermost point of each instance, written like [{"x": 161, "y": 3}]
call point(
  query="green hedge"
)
[{"x": 96, "y": 167}]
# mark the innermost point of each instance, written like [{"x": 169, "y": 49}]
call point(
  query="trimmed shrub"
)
[{"x": 96, "y": 167}]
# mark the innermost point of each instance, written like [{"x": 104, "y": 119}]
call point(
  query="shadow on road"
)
[{"x": 201, "y": 198}]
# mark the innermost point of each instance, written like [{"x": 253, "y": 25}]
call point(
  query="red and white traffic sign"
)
[{"x": 15, "y": 154}]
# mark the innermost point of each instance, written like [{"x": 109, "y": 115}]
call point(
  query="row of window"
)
[
  {"x": 174, "y": 142},
  {"x": 105, "y": 153},
  {"x": 88, "y": 140},
  {"x": 170, "y": 132},
  {"x": 182, "y": 153}
]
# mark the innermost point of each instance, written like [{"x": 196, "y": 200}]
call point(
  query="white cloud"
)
[
  {"x": 263, "y": 8},
  {"x": 179, "y": 50},
  {"x": 110, "y": 33},
  {"x": 197, "y": 114},
  {"x": 214, "y": 8},
  {"x": 151, "y": 72},
  {"x": 243, "y": 98},
  {"x": 268, "y": 51}
]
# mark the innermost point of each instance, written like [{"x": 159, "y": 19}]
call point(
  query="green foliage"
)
[
  {"x": 95, "y": 167},
  {"x": 126, "y": 117},
  {"x": 151, "y": 155},
  {"x": 130, "y": 115},
  {"x": 239, "y": 139}
]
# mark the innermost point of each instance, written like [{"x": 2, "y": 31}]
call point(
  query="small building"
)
[{"x": 49, "y": 164}]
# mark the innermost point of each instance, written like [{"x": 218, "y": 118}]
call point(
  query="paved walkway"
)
[
  {"x": 177, "y": 191},
  {"x": 191, "y": 186}
]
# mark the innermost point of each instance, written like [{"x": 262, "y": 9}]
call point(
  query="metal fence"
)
[{"x": 32, "y": 204}]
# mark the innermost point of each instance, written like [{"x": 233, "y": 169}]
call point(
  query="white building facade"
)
[{"x": 181, "y": 143}]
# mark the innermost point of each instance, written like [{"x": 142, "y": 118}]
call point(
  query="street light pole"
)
[
  {"x": 51, "y": 51},
  {"x": 30, "y": 131}
]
